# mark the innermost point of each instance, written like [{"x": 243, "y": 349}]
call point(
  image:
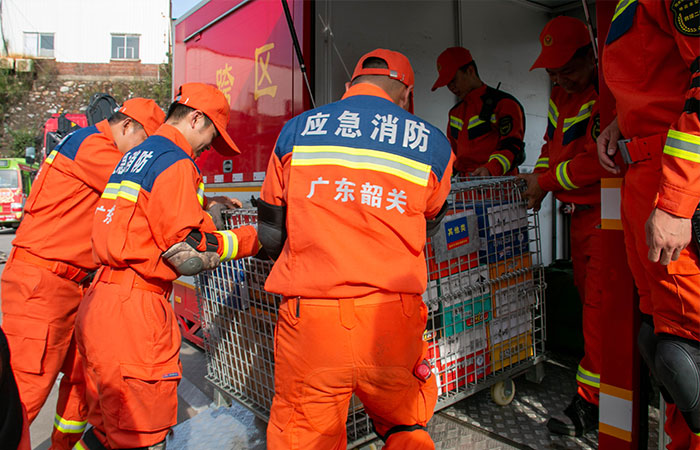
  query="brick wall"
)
[{"x": 114, "y": 69}]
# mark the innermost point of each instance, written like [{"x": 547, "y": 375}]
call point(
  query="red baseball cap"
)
[
  {"x": 449, "y": 62},
  {"x": 560, "y": 39},
  {"x": 399, "y": 68},
  {"x": 145, "y": 111},
  {"x": 214, "y": 105}
]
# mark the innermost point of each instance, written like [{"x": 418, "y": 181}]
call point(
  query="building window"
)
[
  {"x": 38, "y": 44},
  {"x": 125, "y": 46}
]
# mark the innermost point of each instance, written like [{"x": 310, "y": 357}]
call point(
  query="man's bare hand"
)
[
  {"x": 230, "y": 203},
  {"x": 607, "y": 147},
  {"x": 534, "y": 193},
  {"x": 666, "y": 235},
  {"x": 480, "y": 172}
]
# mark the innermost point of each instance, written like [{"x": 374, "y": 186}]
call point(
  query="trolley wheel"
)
[{"x": 503, "y": 392}]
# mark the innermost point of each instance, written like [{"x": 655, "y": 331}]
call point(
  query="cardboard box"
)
[
  {"x": 511, "y": 340},
  {"x": 454, "y": 247},
  {"x": 460, "y": 360}
]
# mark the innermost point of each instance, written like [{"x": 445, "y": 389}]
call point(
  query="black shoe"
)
[{"x": 582, "y": 418}]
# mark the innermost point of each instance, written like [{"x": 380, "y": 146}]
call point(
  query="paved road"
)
[{"x": 195, "y": 392}]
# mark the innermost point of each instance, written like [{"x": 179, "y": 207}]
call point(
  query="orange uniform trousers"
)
[
  {"x": 668, "y": 293},
  {"x": 328, "y": 349},
  {"x": 586, "y": 256},
  {"x": 130, "y": 341},
  {"x": 39, "y": 309}
]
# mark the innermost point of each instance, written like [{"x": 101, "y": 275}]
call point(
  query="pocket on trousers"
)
[
  {"x": 148, "y": 396},
  {"x": 27, "y": 339},
  {"x": 281, "y": 414},
  {"x": 687, "y": 264}
]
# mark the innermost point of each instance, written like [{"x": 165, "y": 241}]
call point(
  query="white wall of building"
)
[{"x": 83, "y": 28}]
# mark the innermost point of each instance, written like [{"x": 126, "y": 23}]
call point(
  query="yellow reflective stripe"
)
[
  {"x": 50, "y": 158},
  {"x": 111, "y": 191},
  {"x": 456, "y": 122},
  {"x": 129, "y": 190},
  {"x": 501, "y": 159},
  {"x": 563, "y": 176},
  {"x": 587, "y": 377},
  {"x": 230, "y": 243},
  {"x": 200, "y": 194},
  {"x": 79, "y": 446},
  {"x": 542, "y": 162},
  {"x": 475, "y": 121},
  {"x": 359, "y": 158},
  {"x": 583, "y": 113},
  {"x": 553, "y": 113},
  {"x": 621, "y": 6},
  {"x": 69, "y": 426},
  {"x": 683, "y": 145}
]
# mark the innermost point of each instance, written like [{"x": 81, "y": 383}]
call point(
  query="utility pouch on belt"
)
[{"x": 695, "y": 222}]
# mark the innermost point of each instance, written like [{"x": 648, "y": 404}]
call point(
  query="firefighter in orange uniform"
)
[
  {"x": 487, "y": 126},
  {"x": 150, "y": 227},
  {"x": 568, "y": 167},
  {"x": 51, "y": 263},
  {"x": 651, "y": 62},
  {"x": 367, "y": 171}
]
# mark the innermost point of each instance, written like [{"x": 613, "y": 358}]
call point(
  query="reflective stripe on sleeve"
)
[
  {"x": 50, "y": 158},
  {"x": 501, "y": 159},
  {"x": 542, "y": 163},
  {"x": 563, "y": 176},
  {"x": 683, "y": 145},
  {"x": 200, "y": 194},
  {"x": 129, "y": 190},
  {"x": 111, "y": 191},
  {"x": 69, "y": 426},
  {"x": 456, "y": 122},
  {"x": 230, "y": 243}
]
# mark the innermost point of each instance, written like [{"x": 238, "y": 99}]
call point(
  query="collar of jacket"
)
[
  {"x": 172, "y": 133},
  {"x": 366, "y": 89}
]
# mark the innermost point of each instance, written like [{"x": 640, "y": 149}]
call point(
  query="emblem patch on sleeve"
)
[
  {"x": 686, "y": 16},
  {"x": 505, "y": 125},
  {"x": 595, "y": 128}
]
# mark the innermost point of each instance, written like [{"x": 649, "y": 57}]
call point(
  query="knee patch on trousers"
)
[
  {"x": 647, "y": 341},
  {"x": 677, "y": 365}
]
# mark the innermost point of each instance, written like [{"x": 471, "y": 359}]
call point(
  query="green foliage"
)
[
  {"x": 22, "y": 139},
  {"x": 13, "y": 90}
]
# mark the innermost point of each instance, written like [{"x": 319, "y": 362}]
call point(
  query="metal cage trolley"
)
[{"x": 485, "y": 295}]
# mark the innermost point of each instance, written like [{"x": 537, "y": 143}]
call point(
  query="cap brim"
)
[
  {"x": 224, "y": 144},
  {"x": 551, "y": 61},
  {"x": 441, "y": 81}
]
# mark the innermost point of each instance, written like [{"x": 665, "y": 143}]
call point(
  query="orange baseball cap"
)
[
  {"x": 399, "y": 68},
  {"x": 213, "y": 103},
  {"x": 560, "y": 39},
  {"x": 449, "y": 62},
  {"x": 145, "y": 111}
]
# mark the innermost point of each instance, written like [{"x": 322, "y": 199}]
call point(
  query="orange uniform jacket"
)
[
  {"x": 569, "y": 161},
  {"x": 651, "y": 63},
  {"x": 494, "y": 143},
  {"x": 153, "y": 200},
  {"x": 359, "y": 177},
  {"x": 57, "y": 221}
]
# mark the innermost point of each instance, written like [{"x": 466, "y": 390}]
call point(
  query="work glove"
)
[
  {"x": 198, "y": 252},
  {"x": 215, "y": 211}
]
